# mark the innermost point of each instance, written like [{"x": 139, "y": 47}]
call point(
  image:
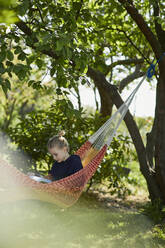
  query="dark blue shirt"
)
[{"x": 66, "y": 168}]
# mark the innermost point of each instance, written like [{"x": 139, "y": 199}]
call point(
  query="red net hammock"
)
[
  {"x": 14, "y": 185},
  {"x": 65, "y": 192}
]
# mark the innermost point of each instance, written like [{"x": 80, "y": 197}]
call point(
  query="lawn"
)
[{"x": 31, "y": 224}]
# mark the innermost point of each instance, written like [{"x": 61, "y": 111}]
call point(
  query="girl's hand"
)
[{"x": 49, "y": 176}]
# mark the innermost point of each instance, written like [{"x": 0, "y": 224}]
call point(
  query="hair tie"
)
[{"x": 61, "y": 133}]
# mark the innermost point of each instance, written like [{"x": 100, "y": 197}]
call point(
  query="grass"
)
[
  {"x": 103, "y": 222},
  {"x": 31, "y": 224},
  {"x": 137, "y": 194}
]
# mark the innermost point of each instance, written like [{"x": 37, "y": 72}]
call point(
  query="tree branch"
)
[
  {"x": 78, "y": 11},
  {"x": 132, "y": 43},
  {"x": 27, "y": 31},
  {"x": 139, "y": 20},
  {"x": 150, "y": 145},
  {"x": 111, "y": 74},
  {"x": 134, "y": 61},
  {"x": 97, "y": 104},
  {"x": 42, "y": 19},
  {"x": 105, "y": 98},
  {"x": 158, "y": 27},
  {"x": 136, "y": 74}
]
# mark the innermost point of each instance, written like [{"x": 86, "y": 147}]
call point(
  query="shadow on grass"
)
[{"x": 36, "y": 224}]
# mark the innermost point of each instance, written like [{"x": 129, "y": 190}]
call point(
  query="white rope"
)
[{"x": 106, "y": 132}]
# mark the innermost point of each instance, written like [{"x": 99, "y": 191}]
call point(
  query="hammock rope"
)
[
  {"x": 106, "y": 132},
  {"x": 151, "y": 69},
  {"x": 15, "y": 185}
]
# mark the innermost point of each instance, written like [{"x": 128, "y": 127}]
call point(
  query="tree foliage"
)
[
  {"x": 63, "y": 38},
  {"x": 7, "y": 15}
]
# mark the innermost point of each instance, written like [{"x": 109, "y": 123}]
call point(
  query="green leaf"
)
[
  {"x": 4, "y": 88},
  {"x": 23, "y": 7},
  {"x": 83, "y": 81},
  {"x": 1, "y": 81},
  {"x": 21, "y": 75},
  {"x": 9, "y": 73},
  {"x": 58, "y": 91},
  {"x": 77, "y": 5},
  {"x": 22, "y": 56},
  {"x": 2, "y": 55},
  {"x": 68, "y": 52},
  {"x": 10, "y": 55},
  {"x": 5, "y": 84},
  {"x": 52, "y": 71},
  {"x": 31, "y": 59},
  {"x": 20, "y": 71},
  {"x": 18, "y": 50},
  {"x": 31, "y": 82},
  {"x": 39, "y": 63},
  {"x": 85, "y": 69},
  {"x": 16, "y": 39},
  {"x": 2, "y": 68},
  {"x": 9, "y": 63},
  {"x": 7, "y": 15},
  {"x": 37, "y": 85},
  {"x": 8, "y": 85},
  {"x": 59, "y": 45}
]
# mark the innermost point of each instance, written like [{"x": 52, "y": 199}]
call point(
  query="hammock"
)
[{"x": 14, "y": 185}]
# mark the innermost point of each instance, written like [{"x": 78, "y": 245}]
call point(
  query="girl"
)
[{"x": 65, "y": 164}]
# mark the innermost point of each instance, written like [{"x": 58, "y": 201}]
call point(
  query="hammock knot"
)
[{"x": 151, "y": 69}]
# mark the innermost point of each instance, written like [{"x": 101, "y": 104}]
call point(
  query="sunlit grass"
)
[{"x": 87, "y": 224}]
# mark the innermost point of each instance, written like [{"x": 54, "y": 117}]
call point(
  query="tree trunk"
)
[
  {"x": 160, "y": 136},
  {"x": 105, "y": 96},
  {"x": 106, "y": 101}
]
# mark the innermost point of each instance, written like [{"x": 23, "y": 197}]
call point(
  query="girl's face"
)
[{"x": 59, "y": 154}]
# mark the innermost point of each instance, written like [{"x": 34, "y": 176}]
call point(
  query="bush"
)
[
  {"x": 156, "y": 211},
  {"x": 31, "y": 134}
]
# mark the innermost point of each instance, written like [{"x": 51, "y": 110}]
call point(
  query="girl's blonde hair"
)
[{"x": 58, "y": 140}]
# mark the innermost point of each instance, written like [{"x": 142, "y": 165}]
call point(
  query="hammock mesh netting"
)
[
  {"x": 64, "y": 192},
  {"x": 15, "y": 185}
]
